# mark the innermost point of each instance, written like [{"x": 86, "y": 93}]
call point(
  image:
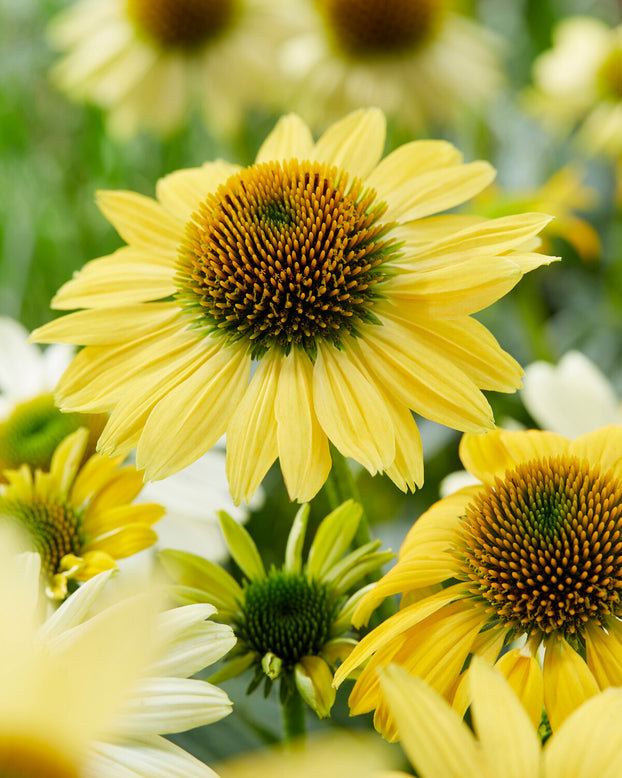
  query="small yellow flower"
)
[
  {"x": 146, "y": 61},
  {"x": 533, "y": 552},
  {"x": 578, "y": 83},
  {"x": 438, "y": 743},
  {"x": 79, "y": 517},
  {"x": 329, "y": 269},
  {"x": 421, "y": 61},
  {"x": 290, "y": 622}
]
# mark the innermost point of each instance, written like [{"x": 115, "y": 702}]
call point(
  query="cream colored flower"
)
[
  {"x": 332, "y": 270},
  {"x": 578, "y": 83},
  {"x": 418, "y": 60},
  {"x": 146, "y": 61}
]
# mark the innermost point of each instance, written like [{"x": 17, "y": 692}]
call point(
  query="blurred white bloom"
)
[
  {"x": 88, "y": 691},
  {"x": 570, "y": 398}
]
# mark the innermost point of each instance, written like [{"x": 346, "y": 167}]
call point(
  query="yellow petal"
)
[
  {"x": 604, "y": 653},
  {"x": 434, "y": 737},
  {"x": 183, "y": 191},
  {"x": 507, "y": 736},
  {"x": 524, "y": 675},
  {"x": 290, "y": 139},
  {"x": 568, "y": 682},
  {"x": 352, "y": 411},
  {"x": 303, "y": 446},
  {"x": 124, "y": 541},
  {"x": 192, "y": 416},
  {"x": 314, "y": 682},
  {"x": 141, "y": 221},
  {"x": 602, "y": 446},
  {"x": 437, "y": 190},
  {"x": 354, "y": 144},
  {"x": 251, "y": 434},
  {"x": 114, "y": 518}
]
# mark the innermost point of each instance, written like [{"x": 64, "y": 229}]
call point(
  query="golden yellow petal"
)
[
  {"x": 124, "y": 541},
  {"x": 192, "y": 416},
  {"x": 524, "y": 675},
  {"x": 406, "y": 470},
  {"x": 602, "y": 446},
  {"x": 351, "y": 410},
  {"x": 93, "y": 475},
  {"x": 102, "y": 522},
  {"x": 354, "y": 144},
  {"x": 142, "y": 222},
  {"x": 290, "y": 139},
  {"x": 303, "y": 446},
  {"x": 604, "y": 653},
  {"x": 251, "y": 433},
  {"x": 568, "y": 682}
]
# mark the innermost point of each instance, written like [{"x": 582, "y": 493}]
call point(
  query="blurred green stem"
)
[{"x": 293, "y": 717}]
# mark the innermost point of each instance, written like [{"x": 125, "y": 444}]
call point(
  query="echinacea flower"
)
[
  {"x": 421, "y": 61},
  {"x": 31, "y": 426},
  {"x": 438, "y": 743},
  {"x": 79, "y": 517},
  {"x": 578, "y": 83},
  {"x": 146, "y": 61},
  {"x": 328, "y": 268},
  {"x": 572, "y": 397},
  {"x": 290, "y": 622},
  {"x": 87, "y": 691},
  {"x": 533, "y": 552}
]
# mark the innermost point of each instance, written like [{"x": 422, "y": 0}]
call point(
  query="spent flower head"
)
[{"x": 291, "y": 622}]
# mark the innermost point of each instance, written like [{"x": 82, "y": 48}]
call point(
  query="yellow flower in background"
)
[
  {"x": 329, "y": 269},
  {"x": 79, "y": 517},
  {"x": 533, "y": 552},
  {"x": 31, "y": 426},
  {"x": 439, "y": 744},
  {"x": 421, "y": 61},
  {"x": 578, "y": 83},
  {"x": 146, "y": 61},
  {"x": 562, "y": 196},
  {"x": 291, "y": 622}
]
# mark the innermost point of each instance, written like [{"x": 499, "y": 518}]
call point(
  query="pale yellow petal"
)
[
  {"x": 406, "y": 470},
  {"x": 290, "y": 139},
  {"x": 459, "y": 289},
  {"x": 434, "y": 737},
  {"x": 507, "y": 736},
  {"x": 99, "y": 327},
  {"x": 251, "y": 434},
  {"x": 410, "y": 160},
  {"x": 589, "y": 743},
  {"x": 602, "y": 446},
  {"x": 354, "y": 144},
  {"x": 568, "y": 682},
  {"x": 141, "y": 221},
  {"x": 351, "y": 410},
  {"x": 116, "y": 517},
  {"x": 183, "y": 191},
  {"x": 422, "y": 379},
  {"x": 191, "y": 417},
  {"x": 437, "y": 190},
  {"x": 303, "y": 446},
  {"x": 604, "y": 653}
]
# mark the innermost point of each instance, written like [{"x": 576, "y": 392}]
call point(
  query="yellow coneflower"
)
[
  {"x": 534, "y": 552},
  {"x": 327, "y": 266},
  {"x": 79, "y": 516}
]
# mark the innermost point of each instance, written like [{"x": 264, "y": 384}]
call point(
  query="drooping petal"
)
[{"x": 568, "y": 682}]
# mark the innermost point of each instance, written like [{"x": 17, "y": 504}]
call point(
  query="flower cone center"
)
[
  {"x": 285, "y": 254},
  {"x": 609, "y": 77},
  {"x": 286, "y": 615},
  {"x": 543, "y": 546},
  {"x": 33, "y": 431},
  {"x": 53, "y": 527},
  {"x": 183, "y": 24},
  {"x": 381, "y": 27},
  {"x": 26, "y": 758}
]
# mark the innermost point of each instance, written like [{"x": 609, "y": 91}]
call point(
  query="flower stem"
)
[{"x": 293, "y": 717}]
